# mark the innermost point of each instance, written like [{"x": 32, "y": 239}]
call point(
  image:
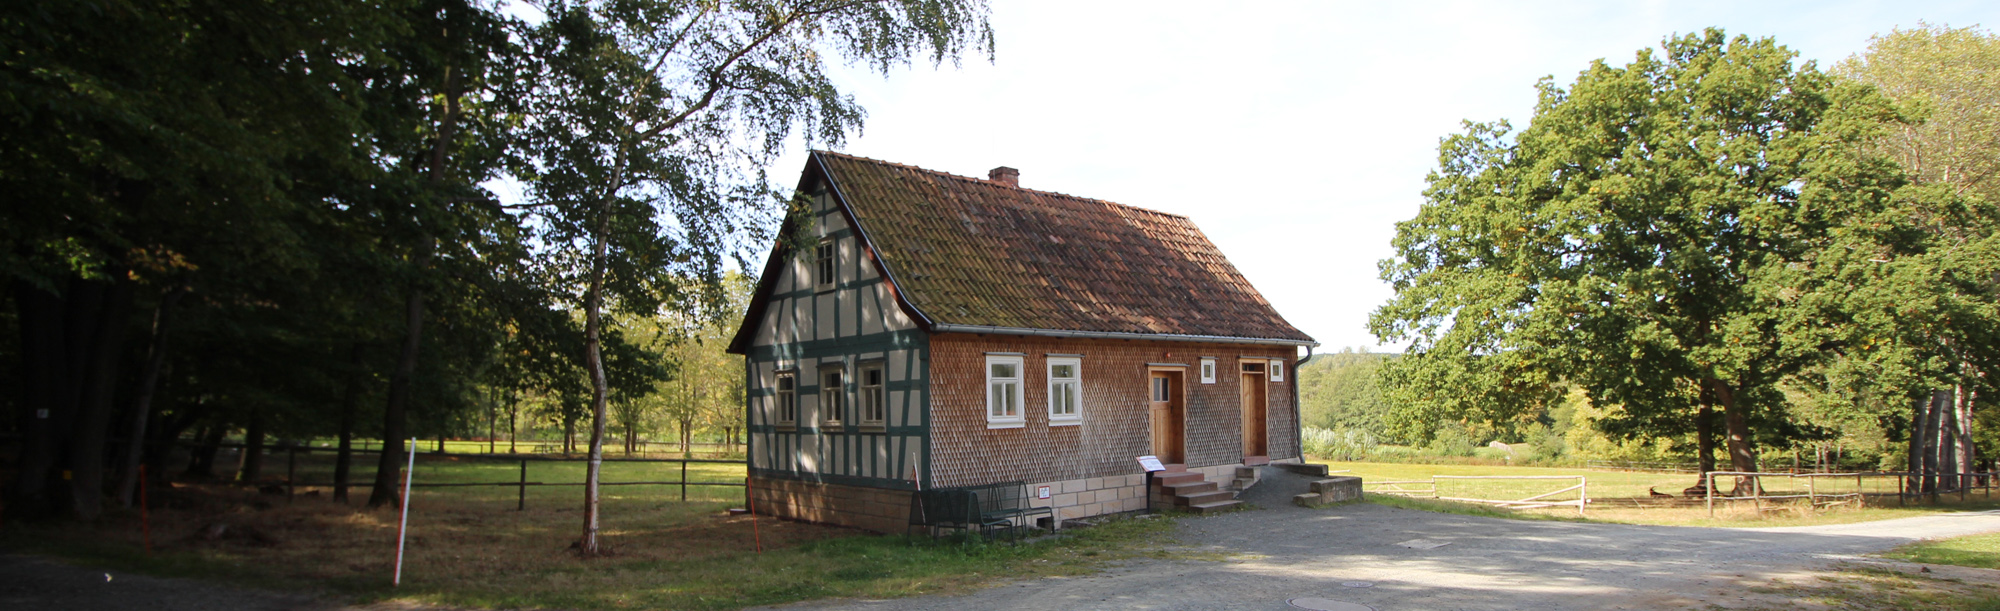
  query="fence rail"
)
[
  {"x": 521, "y": 503},
  {"x": 1535, "y": 499},
  {"x": 1752, "y": 487}
]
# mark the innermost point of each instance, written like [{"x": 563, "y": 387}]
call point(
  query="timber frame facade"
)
[{"x": 952, "y": 331}]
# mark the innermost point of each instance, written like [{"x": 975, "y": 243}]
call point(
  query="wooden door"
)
[
  {"x": 1252, "y": 398},
  {"x": 1168, "y": 416}
]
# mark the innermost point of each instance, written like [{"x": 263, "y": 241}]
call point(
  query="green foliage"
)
[
  {"x": 1338, "y": 444},
  {"x": 1338, "y": 390},
  {"x": 1451, "y": 439},
  {"x": 1704, "y": 217}
]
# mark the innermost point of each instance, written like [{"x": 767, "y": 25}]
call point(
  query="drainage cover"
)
[
  {"x": 1325, "y": 604},
  {"x": 1358, "y": 584}
]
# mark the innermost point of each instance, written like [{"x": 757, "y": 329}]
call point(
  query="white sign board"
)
[
  {"x": 1151, "y": 464},
  {"x": 1042, "y": 492}
]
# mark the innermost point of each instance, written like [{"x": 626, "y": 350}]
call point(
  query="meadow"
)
[{"x": 1627, "y": 496}]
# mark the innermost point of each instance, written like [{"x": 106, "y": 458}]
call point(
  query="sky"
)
[{"x": 1295, "y": 134}]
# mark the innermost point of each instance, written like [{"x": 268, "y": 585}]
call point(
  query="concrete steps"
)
[{"x": 1185, "y": 490}]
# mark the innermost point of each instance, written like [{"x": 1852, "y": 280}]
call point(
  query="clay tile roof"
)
[{"x": 965, "y": 251}]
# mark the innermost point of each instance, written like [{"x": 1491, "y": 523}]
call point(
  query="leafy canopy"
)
[{"x": 1660, "y": 224}]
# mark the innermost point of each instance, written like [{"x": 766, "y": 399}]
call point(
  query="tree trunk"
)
[
  {"x": 1918, "y": 417},
  {"x": 142, "y": 403},
  {"x": 1967, "y": 455},
  {"x": 512, "y": 410},
  {"x": 93, "y": 424},
  {"x": 593, "y": 357},
  {"x": 350, "y": 402},
  {"x": 1704, "y": 430},
  {"x": 201, "y": 462},
  {"x": 1949, "y": 442},
  {"x": 389, "y": 466},
  {"x": 1735, "y": 418},
  {"x": 253, "y": 448},
  {"x": 46, "y": 412},
  {"x": 1933, "y": 416}
]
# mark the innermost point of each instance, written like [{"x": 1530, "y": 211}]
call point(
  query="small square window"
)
[
  {"x": 1277, "y": 370},
  {"x": 1207, "y": 370},
  {"x": 1065, "y": 391},
  {"x": 1003, "y": 392}
]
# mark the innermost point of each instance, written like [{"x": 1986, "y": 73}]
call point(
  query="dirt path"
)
[{"x": 1390, "y": 559}]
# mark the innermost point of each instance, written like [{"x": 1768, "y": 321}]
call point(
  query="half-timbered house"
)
[{"x": 935, "y": 330}]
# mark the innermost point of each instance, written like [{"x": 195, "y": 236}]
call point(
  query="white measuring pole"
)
[{"x": 404, "y": 527}]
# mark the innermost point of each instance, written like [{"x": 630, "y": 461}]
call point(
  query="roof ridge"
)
[{"x": 990, "y": 183}]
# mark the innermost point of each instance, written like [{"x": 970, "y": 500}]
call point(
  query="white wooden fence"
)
[{"x": 1537, "y": 500}]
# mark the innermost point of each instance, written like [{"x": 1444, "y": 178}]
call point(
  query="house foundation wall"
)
[
  {"x": 1095, "y": 496},
  {"x": 872, "y": 509}
]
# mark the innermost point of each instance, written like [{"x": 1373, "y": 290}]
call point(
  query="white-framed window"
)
[
  {"x": 874, "y": 401},
  {"x": 1003, "y": 392},
  {"x": 1208, "y": 370},
  {"x": 826, "y": 262},
  {"x": 788, "y": 398},
  {"x": 833, "y": 395},
  {"x": 1277, "y": 370},
  {"x": 1065, "y": 391}
]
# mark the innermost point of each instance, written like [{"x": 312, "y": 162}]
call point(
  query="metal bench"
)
[{"x": 986, "y": 507}]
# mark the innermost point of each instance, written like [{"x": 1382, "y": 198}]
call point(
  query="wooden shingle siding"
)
[
  {"x": 1115, "y": 426},
  {"x": 805, "y": 330}
]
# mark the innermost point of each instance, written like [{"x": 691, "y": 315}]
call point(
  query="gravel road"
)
[{"x": 1387, "y": 558}]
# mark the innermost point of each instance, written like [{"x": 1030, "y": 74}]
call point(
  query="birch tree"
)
[{"x": 653, "y": 121}]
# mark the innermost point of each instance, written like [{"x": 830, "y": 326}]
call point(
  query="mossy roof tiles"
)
[{"x": 965, "y": 251}]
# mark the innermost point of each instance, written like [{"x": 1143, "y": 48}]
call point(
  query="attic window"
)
[{"x": 824, "y": 265}]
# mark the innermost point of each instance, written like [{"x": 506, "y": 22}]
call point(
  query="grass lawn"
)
[
  {"x": 1613, "y": 495},
  {"x": 1868, "y": 589},
  {"x": 470, "y": 547},
  {"x": 1977, "y": 551}
]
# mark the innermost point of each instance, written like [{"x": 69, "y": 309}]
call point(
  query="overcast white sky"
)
[{"x": 1296, "y": 134}]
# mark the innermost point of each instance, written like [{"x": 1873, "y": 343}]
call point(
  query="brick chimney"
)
[{"x": 1005, "y": 175}]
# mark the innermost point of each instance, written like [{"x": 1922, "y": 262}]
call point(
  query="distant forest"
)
[{"x": 1337, "y": 391}]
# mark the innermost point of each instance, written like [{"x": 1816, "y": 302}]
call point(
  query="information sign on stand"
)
[{"x": 1151, "y": 464}]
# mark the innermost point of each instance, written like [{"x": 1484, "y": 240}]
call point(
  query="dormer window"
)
[{"x": 825, "y": 263}]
